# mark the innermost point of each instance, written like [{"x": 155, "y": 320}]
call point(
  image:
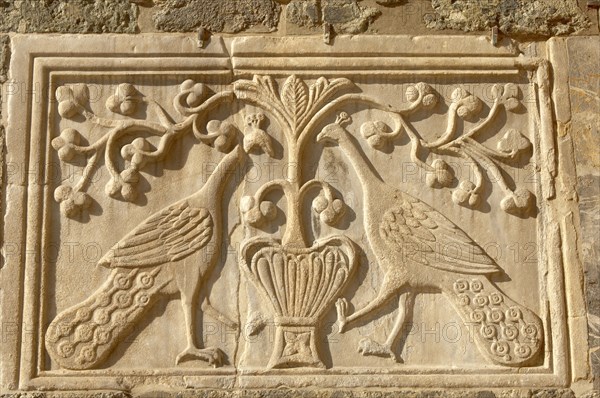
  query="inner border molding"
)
[{"x": 281, "y": 98}]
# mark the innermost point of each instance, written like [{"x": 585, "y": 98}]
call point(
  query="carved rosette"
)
[{"x": 301, "y": 284}]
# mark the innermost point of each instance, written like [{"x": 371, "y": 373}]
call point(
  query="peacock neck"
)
[
  {"x": 363, "y": 167},
  {"x": 225, "y": 170}
]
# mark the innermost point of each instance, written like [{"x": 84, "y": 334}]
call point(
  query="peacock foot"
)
[
  {"x": 214, "y": 356},
  {"x": 342, "y": 307},
  {"x": 369, "y": 347}
]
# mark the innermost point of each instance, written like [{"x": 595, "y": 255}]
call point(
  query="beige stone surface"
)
[{"x": 376, "y": 213}]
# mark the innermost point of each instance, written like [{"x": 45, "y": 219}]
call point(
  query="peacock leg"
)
[
  {"x": 189, "y": 282},
  {"x": 368, "y": 346},
  {"x": 389, "y": 289}
]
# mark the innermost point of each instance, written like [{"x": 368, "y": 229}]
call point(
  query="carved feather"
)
[
  {"x": 170, "y": 235},
  {"x": 424, "y": 235}
]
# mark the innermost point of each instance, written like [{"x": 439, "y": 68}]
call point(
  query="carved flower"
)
[
  {"x": 124, "y": 101},
  {"x": 377, "y": 134},
  {"x": 65, "y": 144},
  {"x": 71, "y": 202},
  {"x": 518, "y": 202},
  {"x": 466, "y": 194},
  {"x": 467, "y": 105},
  {"x": 329, "y": 211},
  {"x": 194, "y": 93},
  {"x": 72, "y": 99},
  {"x": 507, "y": 95},
  {"x": 441, "y": 176},
  {"x": 424, "y": 92},
  {"x": 134, "y": 152},
  {"x": 125, "y": 188},
  {"x": 256, "y": 213},
  {"x": 513, "y": 142},
  {"x": 225, "y": 135}
]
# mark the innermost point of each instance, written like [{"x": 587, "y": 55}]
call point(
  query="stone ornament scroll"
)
[{"x": 341, "y": 218}]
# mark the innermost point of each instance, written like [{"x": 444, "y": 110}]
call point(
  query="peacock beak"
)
[{"x": 321, "y": 136}]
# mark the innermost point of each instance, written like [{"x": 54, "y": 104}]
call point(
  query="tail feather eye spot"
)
[
  {"x": 510, "y": 332},
  {"x": 489, "y": 331},
  {"x": 461, "y": 286},
  {"x": 463, "y": 299},
  {"x": 476, "y": 285},
  {"x": 513, "y": 314},
  {"x": 480, "y": 300},
  {"x": 65, "y": 349},
  {"x": 495, "y": 298}
]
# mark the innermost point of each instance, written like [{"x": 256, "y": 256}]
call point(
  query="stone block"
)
[
  {"x": 68, "y": 16},
  {"x": 516, "y": 18},
  {"x": 346, "y": 16},
  {"x": 216, "y": 15}
]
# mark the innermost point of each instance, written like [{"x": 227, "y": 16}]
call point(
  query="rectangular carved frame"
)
[{"x": 37, "y": 60}]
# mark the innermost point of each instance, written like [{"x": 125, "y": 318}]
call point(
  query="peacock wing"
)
[
  {"x": 169, "y": 235},
  {"x": 424, "y": 235}
]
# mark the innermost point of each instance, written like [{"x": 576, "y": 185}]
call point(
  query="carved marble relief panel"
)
[{"x": 262, "y": 212}]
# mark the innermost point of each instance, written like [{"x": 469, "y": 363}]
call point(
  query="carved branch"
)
[{"x": 191, "y": 102}]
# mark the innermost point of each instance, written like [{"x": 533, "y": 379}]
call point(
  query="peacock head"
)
[{"x": 334, "y": 132}]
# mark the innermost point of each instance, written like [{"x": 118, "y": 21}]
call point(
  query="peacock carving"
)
[
  {"x": 168, "y": 253},
  {"x": 410, "y": 240}
]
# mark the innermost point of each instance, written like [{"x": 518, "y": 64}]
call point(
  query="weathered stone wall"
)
[{"x": 524, "y": 21}]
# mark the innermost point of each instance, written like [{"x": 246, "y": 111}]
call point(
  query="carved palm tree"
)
[
  {"x": 172, "y": 251},
  {"x": 418, "y": 248}
]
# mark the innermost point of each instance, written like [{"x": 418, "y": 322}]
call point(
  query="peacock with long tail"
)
[
  {"x": 172, "y": 251},
  {"x": 419, "y": 249}
]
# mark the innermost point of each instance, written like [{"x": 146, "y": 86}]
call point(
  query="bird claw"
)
[
  {"x": 341, "y": 306},
  {"x": 214, "y": 356},
  {"x": 368, "y": 347}
]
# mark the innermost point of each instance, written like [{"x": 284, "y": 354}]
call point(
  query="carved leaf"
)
[
  {"x": 261, "y": 91},
  {"x": 322, "y": 89},
  {"x": 294, "y": 96}
]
